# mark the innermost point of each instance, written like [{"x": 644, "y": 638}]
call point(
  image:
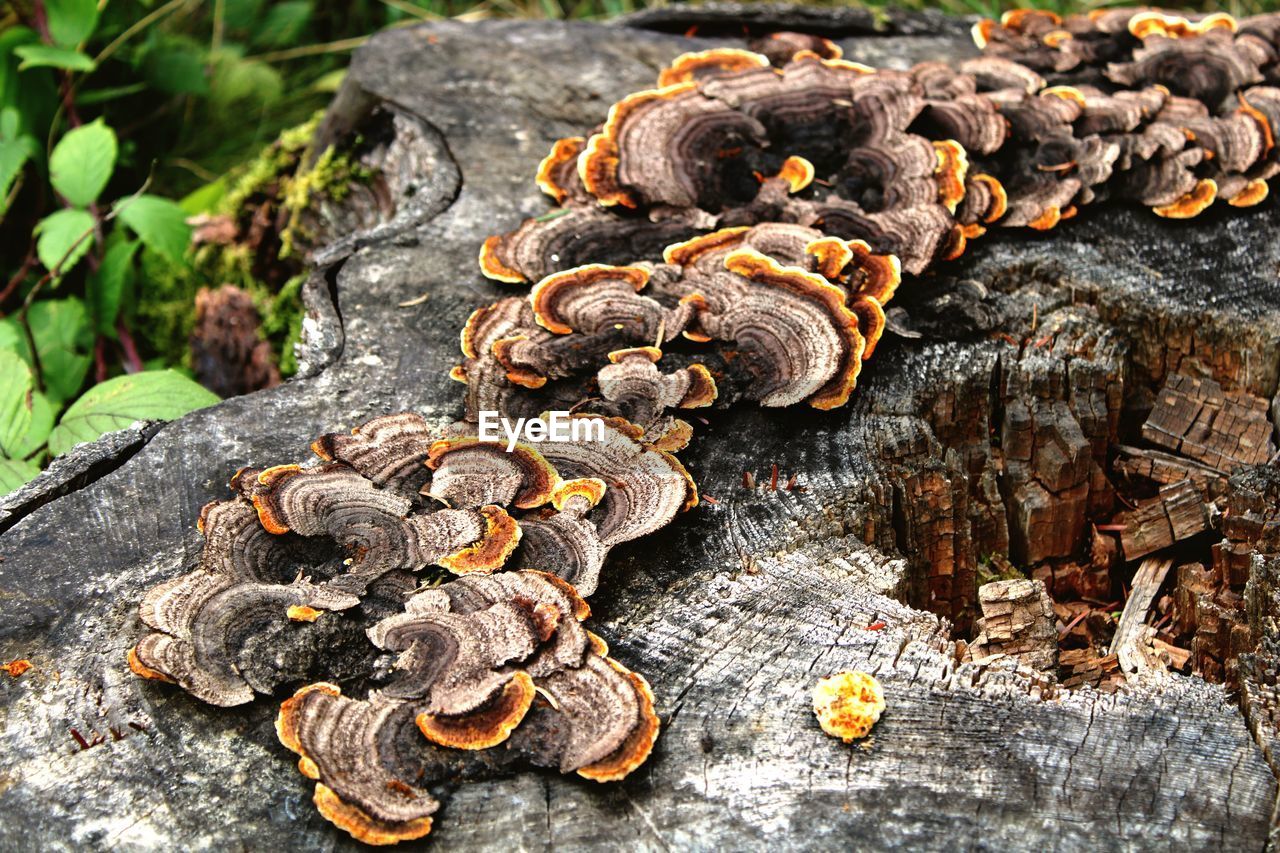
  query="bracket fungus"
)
[
  {"x": 733, "y": 234},
  {"x": 848, "y": 704},
  {"x": 484, "y": 661}
]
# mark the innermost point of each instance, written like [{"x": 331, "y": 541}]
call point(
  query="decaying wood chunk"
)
[
  {"x": 1221, "y": 636},
  {"x": 1196, "y": 418},
  {"x": 1061, "y": 409},
  {"x": 1178, "y": 512},
  {"x": 1086, "y": 668},
  {"x": 1252, "y": 515},
  {"x": 1260, "y": 669},
  {"x": 928, "y": 498},
  {"x": 1193, "y": 581},
  {"x": 1133, "y": 636},
  {"x": 1167, "y": 469},
  {"x": 1017, "y": 620},
  {"x": 1232, "y": 608},
  {"x": 1073, "y": 580},
  {"x": 227, "y": 353}
]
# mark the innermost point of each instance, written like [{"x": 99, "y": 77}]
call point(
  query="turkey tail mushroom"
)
[
  {"x": 389, "y": 451},
  {"x": 210, "y": 634},
  {"x": 469, "y": 473},
  {"x": 360, "y": 755}
]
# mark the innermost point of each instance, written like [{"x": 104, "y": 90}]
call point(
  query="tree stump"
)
[{"x": 992, "y": 434}]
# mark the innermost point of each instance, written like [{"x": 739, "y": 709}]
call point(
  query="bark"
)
[{"x": 991, "y": 435}]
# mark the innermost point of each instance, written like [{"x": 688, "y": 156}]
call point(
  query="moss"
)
[
  {"x": 331, "y": 177},
  {"x": 275, "y": 176},
  {"x": 996, "y": 567},
  {"x": 272, "y": 178},
  {"x": 276, "y": 161},
  {"x": 165, "y": 312},
  {"x": 282, "y": 314}
]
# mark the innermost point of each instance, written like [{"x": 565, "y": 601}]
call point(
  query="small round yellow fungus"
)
[{"x": 848, "y": 704}]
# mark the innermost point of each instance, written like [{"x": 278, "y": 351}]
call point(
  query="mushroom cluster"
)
[
  {"x": 310, "y": 574},
  {"x": 747, "y": 220},
  {"x": 484, "y": 661},
  {"x": 795, "y": 312},
  {"x": 731, "y": 235}
]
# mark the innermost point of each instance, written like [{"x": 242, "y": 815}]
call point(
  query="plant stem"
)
[
  {"x": 142, "y": 23},
  {"x": 27, "y": 263},
  {"x": 100, "y": 359},
  {"x": 311, "y": 50},
  {"x": 132, "y": 362}
]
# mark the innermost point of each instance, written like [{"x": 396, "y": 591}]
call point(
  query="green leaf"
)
[
  {"x": 178, "y": 68},
  {"x": 71, "y": 21},
  {"x": 10, "y": 123},
  {"x": 204, "y": 199},
  {"x": 42, "y": 413},
  {"x": 63, "y": 238},
  {"x": 14, "y": 474},
  {"x": 63, "y": 336},
  {"x": 12, "y": 338},
  {"x": 160, "y": 224},
  {"x": 242, "y": 14},
  {"x": 16, "y": 36},
  {"x": 13, "y": 156},
  {"x": 32, "y": 96},
  {"x": 240, "y": 84},
  {"x": 119, "y": 402},
  {"x": 16, "y": 385},
  {"x": 330, "y": 82},
  {"x": 43, "y": 56},
  {"x": 105, "y": 288},
  {"x": 82, "y": 162},
  {"x": 283, "y": 24}
]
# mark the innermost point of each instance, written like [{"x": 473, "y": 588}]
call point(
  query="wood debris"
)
[
  {"x": 1178, "y": 512},
  {"x": 1017, "y": 620},
  {"x": 1133, "y": 634},
  {"x": 1086, "y": 668},
  {"x": 1195, "y": 418}
]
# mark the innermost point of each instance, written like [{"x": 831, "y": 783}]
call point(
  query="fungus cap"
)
[{"x": 848, "y": 704}]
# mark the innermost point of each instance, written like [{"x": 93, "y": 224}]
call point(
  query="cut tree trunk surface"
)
[{"x": 987, "y": 435}]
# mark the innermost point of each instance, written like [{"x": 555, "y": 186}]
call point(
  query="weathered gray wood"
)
[{"x": 733, "y": 612}]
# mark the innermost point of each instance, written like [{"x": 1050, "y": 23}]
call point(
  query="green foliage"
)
[
  {"x": 14, "y": 473},
  {"x": 62, "y": 334},
  {"x": 283, "y": 24},
  {"x": 25, "y": 419},
  {"x": 70, "y": 21},
  {"x": 46, "y": 56},
  {"x": 16, "y": 386},
  {"x": 115, "y": 404},
  {"x": 82, "y": 162},
  {"x": 16, "y": 148},
  {"x": 160, "y": 224},
  {"x": 64, "y": 237},
  {"x": 107, "y": 288}
]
